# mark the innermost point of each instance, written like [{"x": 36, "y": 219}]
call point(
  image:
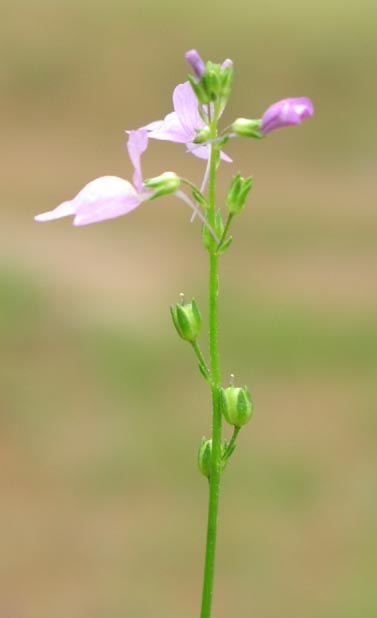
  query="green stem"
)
[
  {"x": 201, "y": 360},
  {"x": 194, "y": 189},
  {"x": 214, "y": 481},
  {"x": 232, "y": 443}
]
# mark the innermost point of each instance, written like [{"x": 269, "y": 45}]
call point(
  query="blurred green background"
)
[{"x": 101, "y": 409}]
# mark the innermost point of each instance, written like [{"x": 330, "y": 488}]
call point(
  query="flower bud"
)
[
  {"x": 196, "y": 62},
  {"x": 205, "y": 457},
  {"x": 243, "y": 127},
  {"x": 285, "y": 113},
  {"x": 166, "y": 183},
  {"x": 213, "y": 85},
  {"x": 237, "y": 194},
  {"x": 236, "y": 405},
  {"x": 227, "y": 64},
  {"x": 202, "y": 136},
  {"x": 187, "y": 320}
]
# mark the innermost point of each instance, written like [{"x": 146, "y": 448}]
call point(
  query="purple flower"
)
[
  {"x": 286, "y": 112},
  {"x": 196, "y": 62},
  {"x": 182, "y": 125},
  {"x": 108, "y": 196}
]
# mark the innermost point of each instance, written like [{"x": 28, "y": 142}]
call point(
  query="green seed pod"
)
[
  {"x": 205, "y": 457},
  {"x": 243, "y": 127},
  {"x": 236, "y": 405},
  {"x": 187, "y": 320},
  {"x": 202, "y": 136},
  {"x": 165, "y": 184},
  {"x": 237, "y": 194}
]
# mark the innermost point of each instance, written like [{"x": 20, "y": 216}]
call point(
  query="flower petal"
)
[
  {"x": 169, "y": 129},
  {"x": 104, "y": 198},
  {"x": 186, "y": 107},
  {"x": 204, "y": 152},
  {"x": 303, "y": 107},
  {"x": 137, "y": 144},
  {"x": 286, "y": 112},
  {"x": 63, "y": 210}
]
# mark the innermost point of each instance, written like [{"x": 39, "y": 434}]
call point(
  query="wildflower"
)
[
  {"x": 286, "y": 112},
  {"x": 108, "y": 196},
  {"x": 183, "y": 125}
]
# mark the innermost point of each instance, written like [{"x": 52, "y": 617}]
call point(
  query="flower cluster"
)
[{"x": 194, "y": 102}]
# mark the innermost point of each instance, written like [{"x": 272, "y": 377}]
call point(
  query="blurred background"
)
[{"x": 103, "y": 511}]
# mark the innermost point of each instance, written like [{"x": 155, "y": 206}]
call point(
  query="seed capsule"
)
[
  {"x": 236, "y": 405},
  {"x": 187, "y": 320}
]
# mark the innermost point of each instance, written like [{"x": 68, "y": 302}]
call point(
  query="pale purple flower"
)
[
  {"x": 107, "y": 197},
  {"x": 196, "y": 62},
  {"x": 286, "y": 112},
  {"x": 182, "y": 125}
]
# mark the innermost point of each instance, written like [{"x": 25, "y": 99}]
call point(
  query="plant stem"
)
[
  {"x": 201, "y": 359},
  {"x": 232, "y": 443},
  {"x": 214, "y": 481}
]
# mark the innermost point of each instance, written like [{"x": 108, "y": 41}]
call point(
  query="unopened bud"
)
[
  {"x": 202, "y": 136},
  {"x": 244, "y": 127},
  {"x": 196, "y": 62},
  {"x": 187, "y": 320},
  {"x": 227, "y": 64},
  {"x": 205, "y": 457},
  {"x": 213, "y": 84},
  {"x": 236, "y": 405},
  {"x": 166, "y": 183},
  {"x": 237, "y": 194}
]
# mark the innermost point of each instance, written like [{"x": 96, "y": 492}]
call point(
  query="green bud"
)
[
  {"x": 236, "y": 405},
  {"x": 202, "y": 136},
  {"x": 226, "y": 84},
  {"x": 205, "y": 457},
  {"x": 237, "y": 194},
  {"x": 166, "y": 183},
  {"x": 214, "y": 85},
  {"x": 244, "y": 127},
  {"x": 207, "y": 238},
  {"x": 211, "y": 81},
  {"x": 187, "y": 320}
]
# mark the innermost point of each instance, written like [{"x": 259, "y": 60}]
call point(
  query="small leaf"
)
[
  {"x": 225, "y": 245},
  {"x": 199, "y": 198},
  {"x": 204, "y": 371}
]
